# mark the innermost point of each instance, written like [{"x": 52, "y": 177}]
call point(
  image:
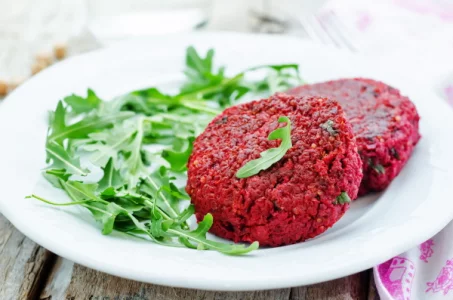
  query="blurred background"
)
[{"x": 416, "y": 34}]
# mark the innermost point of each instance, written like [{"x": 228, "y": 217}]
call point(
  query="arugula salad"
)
[{"x": 138, "y": 192}]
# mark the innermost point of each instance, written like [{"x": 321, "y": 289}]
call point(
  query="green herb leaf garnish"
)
[
  {"x": 270, "y": 156},
  {"x": 342, "y": 199},
  {"x": 82, "y": 105},
  {"x": 328, "y": 126},
  {"x": 395, "y": 153},
  {"x": 61, "y": 159},
  {"x": 112, "y": 177},
  {"x": 379, "y": 168}
]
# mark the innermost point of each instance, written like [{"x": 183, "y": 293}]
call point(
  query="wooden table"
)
[{"x": 28, "y": 271}]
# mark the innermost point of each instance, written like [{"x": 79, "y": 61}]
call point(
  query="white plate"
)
[{"x": 415, "y": 207}]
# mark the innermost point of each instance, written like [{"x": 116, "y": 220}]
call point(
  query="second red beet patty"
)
[
  {"x": 297, "y": 197},
  {"x": 385, "y": 124}
]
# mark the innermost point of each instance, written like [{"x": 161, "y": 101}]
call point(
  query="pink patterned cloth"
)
[
  {"x": 418, "y": 31},
  {"x": 424, "y": 272}
]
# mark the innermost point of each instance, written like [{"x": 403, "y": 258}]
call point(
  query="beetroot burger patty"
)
[
  {"x": 385, "y": 124},
  {"x": 297, "y": 197}
]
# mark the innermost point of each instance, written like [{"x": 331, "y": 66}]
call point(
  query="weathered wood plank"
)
[
  {"x": 58, "y": 280},
  {"x": 354, "y": 287},
  {"x": 23, "y": 264},
  {"x": 85, "y": 283},
  {"x": 372, "y": 291},
  {"x": 77, "y": 282},
  {"x": 90, "y": 284}
]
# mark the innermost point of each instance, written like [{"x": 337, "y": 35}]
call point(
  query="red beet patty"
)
[
  {"x": 385, "y": 124},
  {"x": 293, "y": 200}
]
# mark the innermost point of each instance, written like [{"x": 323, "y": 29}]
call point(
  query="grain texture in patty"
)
[
  {"x": 293, "y": 200},
  {"x": 385, "y": 124}
]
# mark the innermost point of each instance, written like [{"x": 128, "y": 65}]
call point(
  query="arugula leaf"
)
[
  {"x": 175, "y": 192},
  {"x": 62, "y": 160},
  {"x": 283, "y": 77},
  {"x": 270, "y": 156},
  {"x": 108, "y": 220},
  {"x": 198, "y": 64},
  {"x": 153, "y": 100},
  {"x": 58, "y": 204},
  {"x": 79, "y": 191},
  {"x": 185, "y": 215},
  {"x": 111, "y": 179},
  {"x": 278, "y": 68},
  {"x": 123, "y": 144},
  {"x": 97, "y": 209},
  {"x": 84, "y": 127},
  {"x": 55, "y": 175},
  {"x": 159, "y": 226},
  {"x": 198, "y": 236},
  {"x": 110, "y": 143},
  {"x": 133, "y": 102},
  {"x": 154, "y": 184},
  {"x": 178, "y": 159},
  {"x": 57, "y": 120},
  {"x": 200, "y": 71},
  {"x": 81, "y": 105},
  {"x": 342, "y": 199},
  {"x": 132, "y": 153}
]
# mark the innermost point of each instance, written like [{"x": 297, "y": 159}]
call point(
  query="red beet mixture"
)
[
  {"x": 385, "y": 124},
  {"x": 293, "y": 200}
]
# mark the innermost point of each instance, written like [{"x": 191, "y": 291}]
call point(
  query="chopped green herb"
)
[
  {"x": 378, "y": 168},
  {"x": 114, "y": 136},
  {"x": 342, "y": 199},
  {"x": 328, "y": 125},
  {"x": 394, "y": 153},
  {"x": 270, "y": 156}
]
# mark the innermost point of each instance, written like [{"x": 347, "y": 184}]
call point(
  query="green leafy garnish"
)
[
  {"x": 270, "y": 156},
  {"x": 82, "y": 105},
  {"x": 178, "y": 159},
  {"x": 59, "y": 131},
  {"x": 328, "y": 126},
  {"x": 138, "y": 192},
  {"x": 62, "y": 160},
  {"x": 342, "y": 199},
  {"x": 395, "y": 153},
  {"x": 378, "y": 168},
  {"x": 112, "y": 177}
]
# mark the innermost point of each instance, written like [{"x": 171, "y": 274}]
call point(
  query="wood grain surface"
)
[
  {"x": 23, "y": 264},
  {"x": 28, "y": 271}
]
